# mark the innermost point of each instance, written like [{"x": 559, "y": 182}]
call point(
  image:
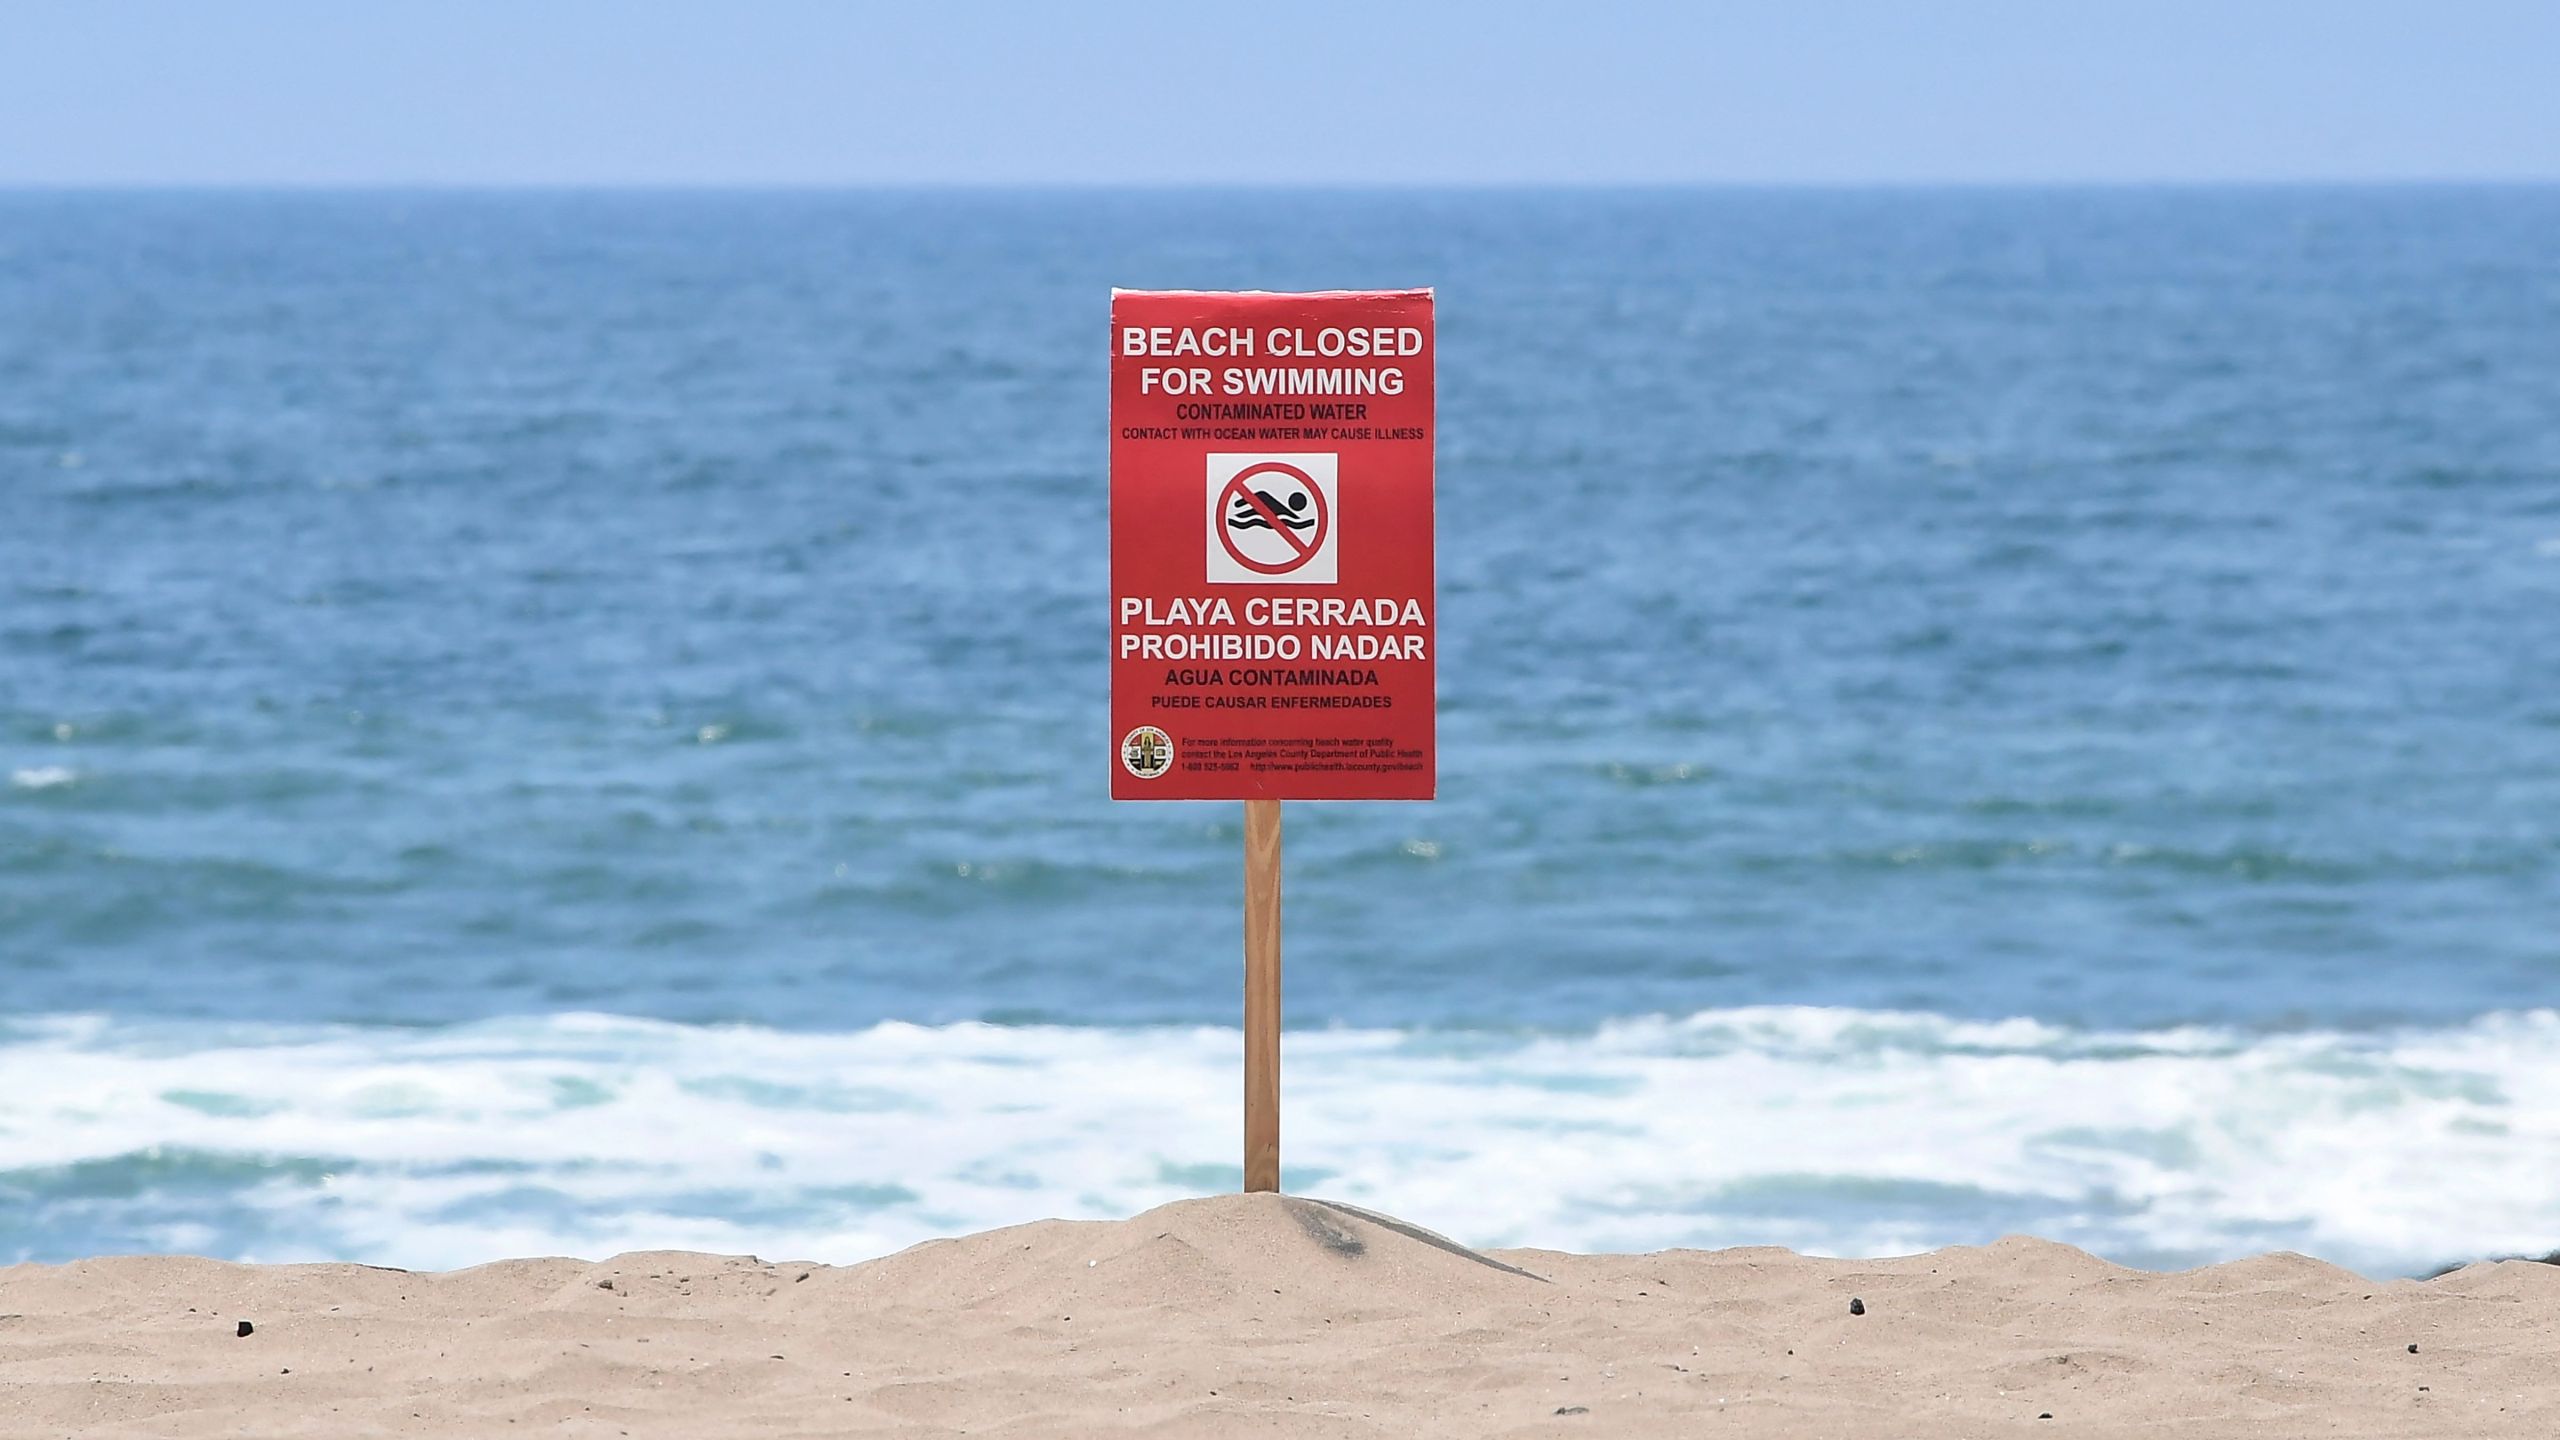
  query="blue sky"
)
[{"x": 1117, "y": 91}]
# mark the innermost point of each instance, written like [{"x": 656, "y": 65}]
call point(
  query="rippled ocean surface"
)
[{"x": 565, "y": 722}]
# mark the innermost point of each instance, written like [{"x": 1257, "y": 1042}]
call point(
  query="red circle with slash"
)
[{"x": 1236, "y": 490}]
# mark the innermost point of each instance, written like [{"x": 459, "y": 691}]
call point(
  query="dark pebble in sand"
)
[
  {"x": 2046, "y": 1415},
  {"x": 1573, "y": 1409},
  {"x": 246, "y": 1329},
  {"x": 604, "y": 1284},
  {"x": 2413, "y": 1349},
  {"x": 1857, "y": 1306}
]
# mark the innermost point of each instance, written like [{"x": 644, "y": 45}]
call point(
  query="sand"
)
[{"x": 1264, "y": 1316}]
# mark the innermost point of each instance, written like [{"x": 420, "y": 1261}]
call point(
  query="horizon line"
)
[{"x": 284, "y": 186}]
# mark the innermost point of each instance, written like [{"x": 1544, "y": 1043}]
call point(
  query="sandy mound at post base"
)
[{"x": 1259, "y": 1315}]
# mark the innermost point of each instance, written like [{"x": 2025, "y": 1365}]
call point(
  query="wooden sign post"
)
[
  {"x": 1261, "y": 995},
  {"x": 1273, "y": 601}
]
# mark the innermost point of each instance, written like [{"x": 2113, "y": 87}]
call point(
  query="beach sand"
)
[{"x": 1265, "y": 1316}]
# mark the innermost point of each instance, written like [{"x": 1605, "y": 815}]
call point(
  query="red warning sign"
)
[{"x": 1271, "y": 566}]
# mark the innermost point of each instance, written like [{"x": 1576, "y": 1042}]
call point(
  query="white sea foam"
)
[
  {"x": 43, "y": 777},
  {"x": 1831, "y": 1130}
]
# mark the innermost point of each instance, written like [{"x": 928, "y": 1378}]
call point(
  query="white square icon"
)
[{"x": 1273, "y": 520}]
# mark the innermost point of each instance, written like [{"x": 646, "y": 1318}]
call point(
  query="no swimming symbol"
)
[{"x": 1271, "y": 519}]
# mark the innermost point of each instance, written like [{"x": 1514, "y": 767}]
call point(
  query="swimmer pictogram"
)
[
  {"x": 1262, "y": 509},
  {"x": 1271, "y": 519}
]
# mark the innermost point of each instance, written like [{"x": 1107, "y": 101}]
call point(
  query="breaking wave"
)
[{"x": 1829, "y": 1130}]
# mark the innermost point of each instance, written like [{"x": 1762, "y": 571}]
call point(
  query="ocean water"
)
[{"x": 566, "y": 722}]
